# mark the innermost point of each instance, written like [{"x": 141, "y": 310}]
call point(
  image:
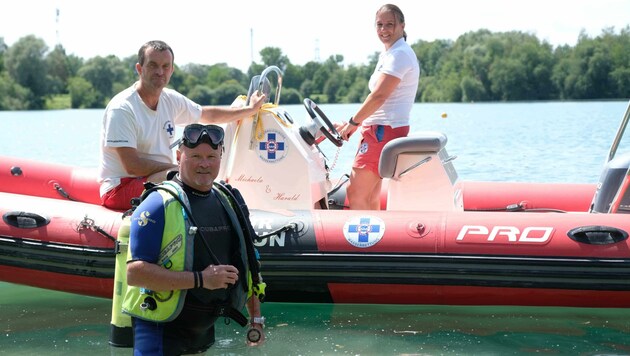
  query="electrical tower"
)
[{"x": 57, "y": 26}]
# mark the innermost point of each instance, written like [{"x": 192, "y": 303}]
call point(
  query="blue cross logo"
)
[
  {"x": 364, "y": 229},
  {"x": 271, "y": 146},
  {"x": 170, "y": 129}
]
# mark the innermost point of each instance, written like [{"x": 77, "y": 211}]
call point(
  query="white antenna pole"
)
[{"x": 251, "y": 44}]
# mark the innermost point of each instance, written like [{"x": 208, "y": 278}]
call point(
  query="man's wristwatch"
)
[
  {"x": 352, "y": 122},
  {"x": 253, "y": 334}
]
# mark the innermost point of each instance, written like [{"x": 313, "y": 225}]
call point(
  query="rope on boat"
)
[
  {"x": 340, "y": 182},
  {"x": 88, "y": 223},
  {"x": 62, "y": 192},
  {"x": 521, "y": 207},
  {"x": 287, "y": 227}
]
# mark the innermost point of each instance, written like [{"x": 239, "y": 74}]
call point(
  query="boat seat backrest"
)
[
  {"x": 426, "y": 142},
  {"x": 421, "y": 174}
]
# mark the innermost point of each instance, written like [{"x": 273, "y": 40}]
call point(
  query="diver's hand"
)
[{"x": 219, "y": 276}]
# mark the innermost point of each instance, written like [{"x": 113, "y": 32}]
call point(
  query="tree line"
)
[{"x": 477, "y": 66}]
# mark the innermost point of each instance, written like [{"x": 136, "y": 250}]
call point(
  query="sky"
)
[{"x": 234, "y": 31}]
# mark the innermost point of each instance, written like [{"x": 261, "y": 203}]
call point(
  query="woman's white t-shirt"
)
[{"x": 401, "y": 62}]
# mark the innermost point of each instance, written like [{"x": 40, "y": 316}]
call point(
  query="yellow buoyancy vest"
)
[{"x": 176, "y": 254}]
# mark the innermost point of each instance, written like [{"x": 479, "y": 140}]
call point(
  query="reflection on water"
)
[{"x": 37, "y": 321}]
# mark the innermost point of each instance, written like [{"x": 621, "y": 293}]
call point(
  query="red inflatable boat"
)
[{"x": 436, "y": 241}]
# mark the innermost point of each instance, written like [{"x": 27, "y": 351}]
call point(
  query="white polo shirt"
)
[
  {"x": 128, "y": 122},
  {"x": 401, "y": 62}
]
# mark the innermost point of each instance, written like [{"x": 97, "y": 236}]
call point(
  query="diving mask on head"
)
[{"x": 195, "y": 134}]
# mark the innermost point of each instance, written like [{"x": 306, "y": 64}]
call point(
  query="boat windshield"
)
[{"x": 621, "y": 140}]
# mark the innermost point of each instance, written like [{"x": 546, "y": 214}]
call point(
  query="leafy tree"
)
[
  {"x": 358, "y": 91},
  {"x": 477, "y": 66},
  {"x": 588, "y": 67},
  {"x": 293, "y": 76},
  {"x": 473, "y": 90},
  {"x": 504, "y": 75},
  {"x": 332, "y": 87},
  {"x": 201, "y": 94},
  {"x": 477, "y": 61},
  {"x": 26, "y": 65},
  {"x": 310, "y": 69},
  {"x": 272, "y": 56},
  {"x": 620, "y": 77},
  {"x": 225, "y": 93},
  {"x": 12, "y": 95},
  {"x": 189, "y": 77},
  {"x": 561, "y": 70},
  {"x": 221, "y": 73},
  {"x": 429, "y": 90},
  {"x": 432, "y": 55},
  {"x": 3, "y": 50},
  {"x": 290, "y": 96},
  {"x": 307, "y": 88},
  {"x": 82, "y": 94},
  {"x": 255, "y": 69},
  {"x": 58, "y": 70},
  {"x": 102, "y": 73},
  {"x": 320, "y": 78},
  {"x": 128, "y": 67}
]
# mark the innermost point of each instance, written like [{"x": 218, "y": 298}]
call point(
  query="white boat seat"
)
[{"x": 421, "y": 175}]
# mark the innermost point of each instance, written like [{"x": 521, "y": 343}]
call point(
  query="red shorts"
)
[
  {"x": 120, "y": 197},
  {"x": 374, "y": 139}
]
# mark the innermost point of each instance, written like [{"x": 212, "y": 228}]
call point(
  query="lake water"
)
[{"x": 536, "y": 142}]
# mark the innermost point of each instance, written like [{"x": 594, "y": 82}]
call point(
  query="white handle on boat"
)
[
  {"x": 423, "y": 161},
  {"x": 415, "y": 165},
  {"x": 263, "y": 76},
  {"x": 261, "y": 83}
]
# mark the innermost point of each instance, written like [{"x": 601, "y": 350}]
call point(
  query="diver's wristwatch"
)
[{"x": 254, "y": 335}]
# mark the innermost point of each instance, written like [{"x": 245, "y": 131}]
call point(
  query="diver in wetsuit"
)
[{"x": 188, "y": 262}]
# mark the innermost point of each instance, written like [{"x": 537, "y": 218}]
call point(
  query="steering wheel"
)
[{"x": 325, "y": 126}]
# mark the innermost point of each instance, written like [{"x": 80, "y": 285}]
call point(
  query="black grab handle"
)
[
  {"x": 24, "y": 220},
  {"x": 597, "y": 235}
]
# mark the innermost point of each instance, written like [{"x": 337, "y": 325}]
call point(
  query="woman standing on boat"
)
[{"x": 384, "y": 115}]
